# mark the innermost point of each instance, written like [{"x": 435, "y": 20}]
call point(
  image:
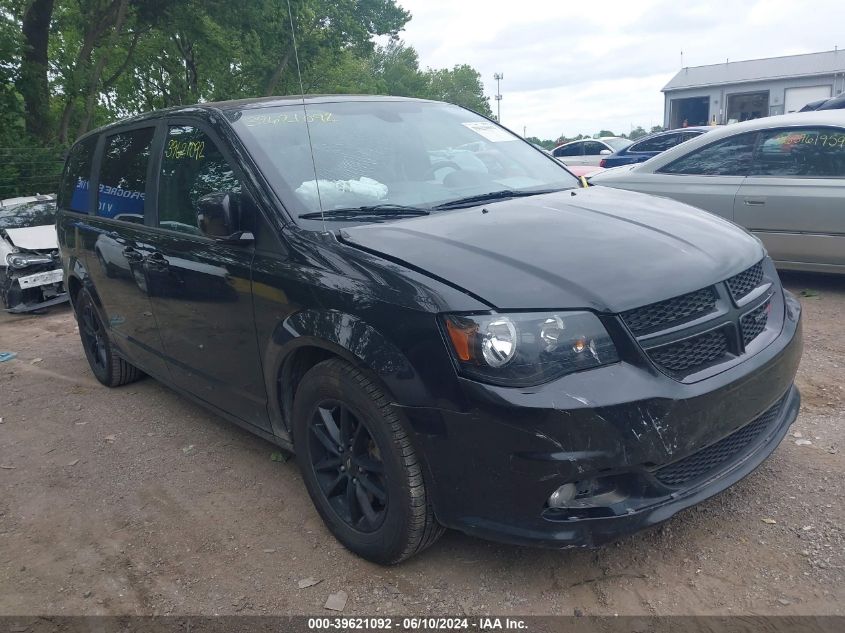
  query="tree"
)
[
  {"x": 67, "y": 66},
  {"x": 397, "y": 66},
  {"x": 32, "y": 82},
  {"x": 637, "y": 132},
  {"x": 656, "y": 128},
  {"x": 460, "y": 85},
  {"x": 544, "y": 143},
  {"x": 606, "y": 133}
]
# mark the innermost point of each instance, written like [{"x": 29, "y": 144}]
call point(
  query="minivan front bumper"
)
[{"x": 637, "y": 445}]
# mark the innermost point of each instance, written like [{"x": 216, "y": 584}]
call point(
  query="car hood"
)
[
  {"x": 34, "y": 238},
  {"x": 604, "y": 249}
]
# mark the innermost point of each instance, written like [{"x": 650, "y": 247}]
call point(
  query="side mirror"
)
[
  {"x": 215, "y": 216},
  {"x": 605, "y": 152}
]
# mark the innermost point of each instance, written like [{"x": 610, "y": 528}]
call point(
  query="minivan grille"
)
[
  {"x": 754, "y": 322},
  {"x": 695, "y": 352},
  {"x": 692, "y": 332},
  {"x": 675, "y": 310},
  {"x": 708, "y": 460},
  {"x": 746, "y": 281}
]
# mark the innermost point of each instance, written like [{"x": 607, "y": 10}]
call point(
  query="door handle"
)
[
  {"x": 132, "y": 255},
  {"x": 755, "y": 202}
]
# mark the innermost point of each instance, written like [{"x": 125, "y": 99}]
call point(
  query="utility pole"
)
[{"x": 498, "y": 77}]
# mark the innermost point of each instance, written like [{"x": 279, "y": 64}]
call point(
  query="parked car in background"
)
[
  {"x": 648, "y": 146},
  {"x": 834, "y": 103},
  {"x": 589, "y": 151},
  {"x": 30, "y": 268},
  {"x": 584, "y": 170},
  {"x": 781, "y": 177},
  {"x": 445, "y": 327}
]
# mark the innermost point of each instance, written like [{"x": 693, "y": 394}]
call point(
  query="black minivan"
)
[{"x": 442, "y": 324}]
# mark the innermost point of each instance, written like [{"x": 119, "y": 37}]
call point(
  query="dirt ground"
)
[{"x": 136, "y": 501}]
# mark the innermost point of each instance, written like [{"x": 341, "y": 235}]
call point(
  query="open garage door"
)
[
  {"x": 747, "y": 105},
  {"x": 692, "y": 111},
  {"x": 796, "y": 98}
]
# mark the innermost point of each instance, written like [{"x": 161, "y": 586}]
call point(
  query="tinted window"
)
[
  {"x": 74, "y": 193},
  {"x": 688, "y": 135},
  {"x": 811, "y": 152},
  {"x": 661, "y": 143},
  {"x": 729, "y": 157},
  {"x": 192, "y": 167},
  {"x": 616, "y": 144},
  {"x": 591, "y": 148},
  {"x": 123, "y": 175},
  {"x": 573, "y": 149}
]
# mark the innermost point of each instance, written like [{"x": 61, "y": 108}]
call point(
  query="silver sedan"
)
[{"x": 781, "y": 177}]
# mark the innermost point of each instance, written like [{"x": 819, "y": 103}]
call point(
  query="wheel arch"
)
[{"x": 310, "y": 336}]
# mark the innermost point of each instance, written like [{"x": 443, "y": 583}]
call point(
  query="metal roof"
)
[{"x": 825, "y": 63}]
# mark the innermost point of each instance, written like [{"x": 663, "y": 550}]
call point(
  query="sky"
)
[{"x": 577, "y": 67}]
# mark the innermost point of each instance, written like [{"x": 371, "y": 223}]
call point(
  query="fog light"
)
[{"x": 562, "y": 496}]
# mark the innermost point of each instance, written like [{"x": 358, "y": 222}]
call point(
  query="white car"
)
[
  {"x": 780, "y": 177},
  {"x": 589, "y": 151},
  {"x": 30, "y": 269}
]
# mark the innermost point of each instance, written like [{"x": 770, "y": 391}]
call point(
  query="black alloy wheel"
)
[
  {"x": 360, "y": 466},
  {"x": 108, "y": 367},
  {"x": 93, "y": 337},
  {"x": 347, "y": 464}
]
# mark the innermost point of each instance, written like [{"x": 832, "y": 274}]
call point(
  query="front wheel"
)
[{"x": 359, "y": 466}]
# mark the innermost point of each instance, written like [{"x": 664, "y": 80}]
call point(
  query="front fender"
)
[{"x": 348, "y": 337}]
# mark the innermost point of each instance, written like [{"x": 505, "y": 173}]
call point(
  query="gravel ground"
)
[{"x": 136, "y": 501}]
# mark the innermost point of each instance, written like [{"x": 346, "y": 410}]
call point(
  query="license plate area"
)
[{"x": 41, "y": 279}]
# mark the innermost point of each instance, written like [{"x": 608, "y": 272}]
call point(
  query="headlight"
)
[
  {"x": 523, "y": 349},
  {"x": 22, "y": 260}
]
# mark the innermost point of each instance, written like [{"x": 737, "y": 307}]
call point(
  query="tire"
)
[
  {"x": 375, "y": 467},
  {"x": 109, "y": 368}
]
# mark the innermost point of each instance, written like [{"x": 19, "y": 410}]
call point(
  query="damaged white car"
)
[{"x": 30, "y": 268}]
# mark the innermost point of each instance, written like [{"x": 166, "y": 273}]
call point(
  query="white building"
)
[{"x": 738, "y": 91}]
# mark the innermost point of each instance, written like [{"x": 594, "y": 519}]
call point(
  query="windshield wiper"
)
[
  {"x": 375, "y": 210},
  {"x": 504, "y": 194}
]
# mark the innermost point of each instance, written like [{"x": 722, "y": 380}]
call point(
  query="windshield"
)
[
  {"x": 21, "y": 216},
  {"x": 618, "y": 143},
  {"x": 409, "y": 153}
]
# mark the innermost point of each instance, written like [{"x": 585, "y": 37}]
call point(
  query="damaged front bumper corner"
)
[
  {"x": 631, "y": 449},
  {"x": 33, "y": 307},
  {"x": 32, "y": 288}
]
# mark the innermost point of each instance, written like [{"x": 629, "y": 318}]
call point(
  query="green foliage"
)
[
  {"x": 637, "y": 132},
  {"x": 110, "y": 59},
  {"x": 461, "y": 85},
  {"x": 545, "y": 144}
]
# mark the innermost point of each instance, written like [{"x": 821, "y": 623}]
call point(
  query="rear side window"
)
[
  {"x": 123, "y": 175},
  {"x": 192, "y": 167},
  {"x": 729, "y": 157},
  {"x": 75, "y": 192},
  {"x": 569, "y": 150},
  {"x": 809, "y": 153},
  {"x": 660, "y": 143},
  {"x": 593, "y": 148}
]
